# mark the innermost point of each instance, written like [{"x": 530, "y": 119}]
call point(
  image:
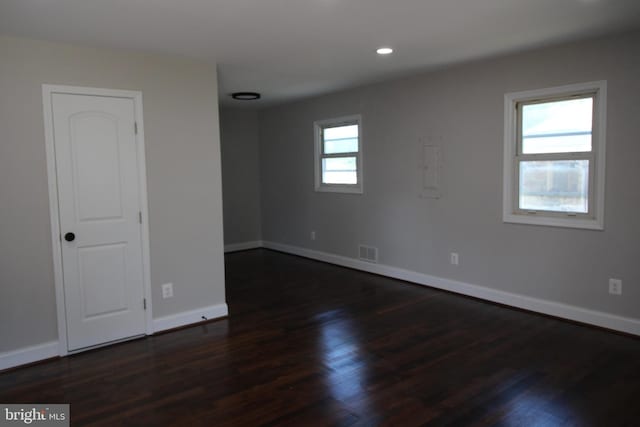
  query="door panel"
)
[
  {"x": 103, "y": 276},
  {"x": 99, "y": 201},
  {"x": 96, "y": 163}
]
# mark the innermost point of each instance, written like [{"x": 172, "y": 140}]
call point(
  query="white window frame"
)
[
  {"x": 318, "y": 127},
  {"x": 594, "y": 219}
]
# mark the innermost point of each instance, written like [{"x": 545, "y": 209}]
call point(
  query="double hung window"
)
[
  {"x": 338, "y": 155},
  {"x": 554, "y": 156}
]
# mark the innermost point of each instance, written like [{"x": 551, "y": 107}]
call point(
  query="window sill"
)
[
  {"x": 587, "y": 224},
  {"x": 345, "y": 189}
]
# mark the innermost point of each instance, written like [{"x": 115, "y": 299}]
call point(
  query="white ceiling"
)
[{"x": 288, "y": 49}]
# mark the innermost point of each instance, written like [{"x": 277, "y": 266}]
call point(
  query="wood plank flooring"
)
[{"x": 311, "y": 344}]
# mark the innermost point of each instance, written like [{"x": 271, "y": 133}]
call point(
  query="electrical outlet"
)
[
  {"x": 313, "y": 235},
  {"x": 167, "y": 290},
  {"x": 615, "y": 286},
  {"x": 454, "y": 258}
]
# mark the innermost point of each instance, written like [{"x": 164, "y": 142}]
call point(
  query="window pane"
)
[
  {"x": 341, "y": 139},
  {"x": 340, "y": 170},
  {"x": 559, "y": 185},
  {"x": 557, "y": 127},
  {"x": 340, "y": 146},
  {"x": 339, "y": 132},
  {"x": 556, "y": 144}
]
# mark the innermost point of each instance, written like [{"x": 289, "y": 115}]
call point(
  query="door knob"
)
[{"x": 69, "y": 237}]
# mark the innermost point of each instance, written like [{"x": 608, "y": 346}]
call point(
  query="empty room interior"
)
[{"x": 320, "y": 213}]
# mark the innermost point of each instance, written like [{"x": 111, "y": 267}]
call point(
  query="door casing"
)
[{"x": 136, "y": 96}]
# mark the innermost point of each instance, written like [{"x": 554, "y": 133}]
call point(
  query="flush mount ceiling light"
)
[
  {"x": 384, "y": 51},
  {"x": 245, "y": 96}
]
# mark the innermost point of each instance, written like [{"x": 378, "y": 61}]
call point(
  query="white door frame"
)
[{"x": 136, "y": 96}]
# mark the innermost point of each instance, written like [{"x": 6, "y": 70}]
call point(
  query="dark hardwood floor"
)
[{"x": 311, "y": 344}]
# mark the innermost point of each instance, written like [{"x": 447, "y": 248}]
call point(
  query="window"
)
[
  {"x": 554, "y": 156},
  {"x": 338, "y": 155}
]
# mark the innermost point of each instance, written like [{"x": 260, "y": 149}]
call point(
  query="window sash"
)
[
  {"x": 357, "y": 170},
  {"x": 519, "y": 111},
  {"x": 338, "y": 125},
  {"x": 340, "y": 156},
  {"x": 560, "y": 214}
]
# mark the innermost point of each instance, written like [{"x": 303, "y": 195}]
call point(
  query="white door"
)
[{"x": 99, "y": 214}]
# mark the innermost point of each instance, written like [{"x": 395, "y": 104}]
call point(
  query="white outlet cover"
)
[
  {"x": 167, "y": 290},
  {"x": 615, "y": 286},
  {"x": 455, "y": 259}
]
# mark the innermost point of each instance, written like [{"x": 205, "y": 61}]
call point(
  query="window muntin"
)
[
  {"x": 338, "y": 155},
  {"x": 554, "y": 156}
]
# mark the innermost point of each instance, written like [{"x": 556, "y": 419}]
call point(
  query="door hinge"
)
[
  {"x": 135, "y": 127},
  {"x": 144, "y": 303},
  {"x": 140, "y": 217}
]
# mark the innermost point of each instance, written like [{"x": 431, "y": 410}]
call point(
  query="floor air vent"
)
[{"x": 368, "y": 253}]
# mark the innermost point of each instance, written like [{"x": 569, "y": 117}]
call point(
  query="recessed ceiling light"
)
[
  {"x": 245, "y": 96},
  {"x": 384, "y": 51}
]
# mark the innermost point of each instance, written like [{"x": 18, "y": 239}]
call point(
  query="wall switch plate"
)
[
  {"x": 615, "y": 286},
  {"x": 313, "y": 235},
  {"x": 454, "y": 258},
  {"x": 167, "y": 290}
]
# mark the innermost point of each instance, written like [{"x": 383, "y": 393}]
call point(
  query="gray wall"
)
[
  {"x": 183, "y": 167},
  {"x": 240, "y": 175},
  {"x": 461, "y": 109}
]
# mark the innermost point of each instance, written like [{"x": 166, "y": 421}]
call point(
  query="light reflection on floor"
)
[
  {"x": 537, "y": 411},
  {"x": 343, "y": 357}
]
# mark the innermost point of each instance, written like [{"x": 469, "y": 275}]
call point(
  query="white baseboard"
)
[
  {"x": 39, "y": 352},
  {"x": 565, "y": 311},
  {"x": 26, "y": 355},
  {"x": 189, "y": 317},
  {"x": 243, "y": 246},
  {"x": 606, "y": 320}
]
